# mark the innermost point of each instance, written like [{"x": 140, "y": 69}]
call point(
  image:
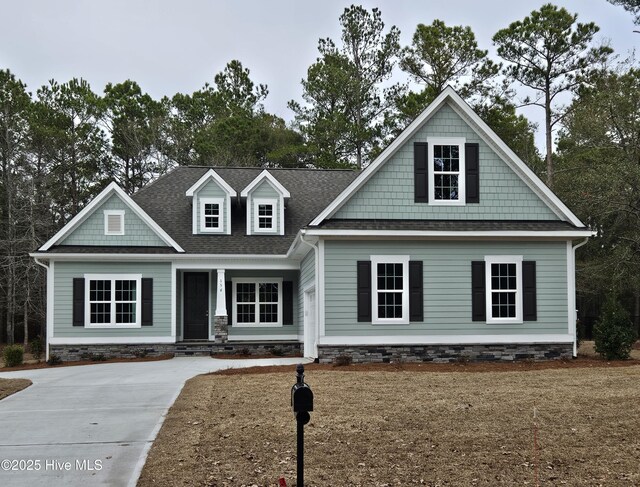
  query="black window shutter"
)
[
  {"x": 147, "y": 301},
  {"x": 364, "y": 291},
  {"x": 416, "y": 302},
  {"x": 478, "y": 303},
  {"x": 529, "y": 306},
  {"x": 472, "y": 169},
  {"x": 78, "y": 301},
  {"x": 420, "y": 172},
  {"x": 287, "y": 302},
  {"x": 228, "y": 291}
]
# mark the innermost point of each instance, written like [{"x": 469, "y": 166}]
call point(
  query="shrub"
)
[
  {"x": 13, "y": 355},
  {"x": 100, "y": 357},
  {"x": 613, "y": 333},
  {"x": 277, "y": 352},
  {"x": 342, "y": 360},
  {"x": 140, "y": 353},
  {"x": 54, "y": 359},
  {"x": 36, "y": 347}
]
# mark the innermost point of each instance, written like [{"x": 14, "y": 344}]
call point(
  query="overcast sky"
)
[{"x": 176, "y": 46}]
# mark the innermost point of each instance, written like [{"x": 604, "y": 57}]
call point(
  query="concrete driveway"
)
[{"x": 94, "y": 424}]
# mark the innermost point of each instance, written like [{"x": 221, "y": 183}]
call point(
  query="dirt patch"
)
[
  {"x": 11, "y": 386},
  {"x": 73, "y": 363},
  {"x": 374, "y": 428}
]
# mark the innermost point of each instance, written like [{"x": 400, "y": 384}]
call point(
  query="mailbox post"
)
[{"x": 302, "y": 405}]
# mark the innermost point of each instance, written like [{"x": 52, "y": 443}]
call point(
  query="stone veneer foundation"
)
[
  {"x": 446, "y": 353},
  {"x": 87, "y": 352}
]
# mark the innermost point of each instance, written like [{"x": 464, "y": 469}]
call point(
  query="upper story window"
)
[
  {"x": 264, "y": 215},
  {"x": 504, "y": 289},
  {"x": 446, "y": 165},
  {"x": 211, "y": 215},
  {"x": 114, "y": 222}
]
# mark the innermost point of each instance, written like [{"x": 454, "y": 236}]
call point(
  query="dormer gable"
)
[
  {"x": 211, "y": 204},
  {"x": 265, "y": 199}
]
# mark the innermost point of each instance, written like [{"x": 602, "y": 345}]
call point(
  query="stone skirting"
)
[
  {"x": 221, "y": 329},
  {"x": 106, "y": 351},
  {"x": 445, "y": 353}
]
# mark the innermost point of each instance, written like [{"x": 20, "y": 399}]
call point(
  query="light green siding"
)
[
  {"x": 64, "y": 272},
  {"x": 91, "y": 231},
  {"x": 265, "y": 190},
  {"x": 211, "y": 190},
  {"x": 447, "y": 286},
  {"x": 307, "y": 279},
  {"x": 389, "y": 193}
]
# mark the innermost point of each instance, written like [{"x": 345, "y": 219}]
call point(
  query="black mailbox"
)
[{"x": 301, "y": 398}]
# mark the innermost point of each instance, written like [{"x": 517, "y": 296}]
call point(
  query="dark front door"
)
[{"x": 196, "y": 305}]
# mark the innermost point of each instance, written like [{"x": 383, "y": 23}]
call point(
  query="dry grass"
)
[
  {"x": 11, "y": 386},
  {"x": 398, "y": 426}
]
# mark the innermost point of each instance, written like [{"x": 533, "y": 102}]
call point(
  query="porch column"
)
[{"x": 221, "y": 321}]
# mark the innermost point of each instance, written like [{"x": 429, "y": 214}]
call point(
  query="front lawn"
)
[{"x": 407, "y": 425}]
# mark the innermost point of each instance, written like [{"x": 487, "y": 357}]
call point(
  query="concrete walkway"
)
[{"x": 94, "y": 424}]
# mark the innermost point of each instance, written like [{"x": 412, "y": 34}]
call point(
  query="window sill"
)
[
  {"x": 113, "y": 326},
  {"x": 390, "y": 322},
  {"x": 509, "y": 321},
  {"x": 447, "y": 203},
  {"x": 254, "y": 325}
]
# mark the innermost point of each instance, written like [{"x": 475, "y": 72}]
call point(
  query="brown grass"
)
[
  {"x": 43, "y": 365},
  {"x": 11, "y": 386},
  {"x": 394, "y": 426}
]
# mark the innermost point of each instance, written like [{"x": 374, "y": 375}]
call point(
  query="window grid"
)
[
  {"x": 113, "y": 301},
  {"x": 390, "y": 289},
  {"x": 261, "y": 304},
  {"x": 265, "y": 216},
  {"x": 503, "y": 290},
  {"x": 211, "y": 215},
  {"x": 446, "y": 171}
]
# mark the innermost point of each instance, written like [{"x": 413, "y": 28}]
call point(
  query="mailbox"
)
[
  {"x": 301, "y": 398},
  {"x": 302, "y": 405}
]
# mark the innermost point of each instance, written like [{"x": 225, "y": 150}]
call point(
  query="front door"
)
[{"x": 196, "y": 305}]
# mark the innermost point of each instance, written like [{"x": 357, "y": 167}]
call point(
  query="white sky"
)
[{"x": 176, "y": 46}]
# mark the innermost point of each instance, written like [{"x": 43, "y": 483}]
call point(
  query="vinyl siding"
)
[
  {"x": 63, "y": 289},
  {"x": 307, "y": 279},
  {"x": 389, "y": 194},
  {"x": 447, "y": 286},
  {"x": 91, "y": 230},
  {"x": 265, "y": 190},
  {"x": 211, "y": 190}
]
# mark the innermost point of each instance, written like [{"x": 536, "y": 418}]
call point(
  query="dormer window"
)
[
  {"x": 264, "y": 218},
  {"x": 114, "y": 222},
  {"x": 211, "y": 215}
]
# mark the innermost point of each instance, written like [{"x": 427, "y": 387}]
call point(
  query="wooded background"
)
[{"x": 63, "y": 144}]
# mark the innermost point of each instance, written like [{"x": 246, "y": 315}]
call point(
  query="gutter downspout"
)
[
  {"x": 575, "y": 311},
  {"x": 37, "y": 261},
  {"x": 315, "y": 279}
]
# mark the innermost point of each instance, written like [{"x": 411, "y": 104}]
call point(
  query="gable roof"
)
[
  {"x": 483, "y": 130},
  {"x": 261, "y": 177},
  {"x": 208, "y": 176},
  {"x": 311, "y": 190},
  {"x": 111, "y": 189}
]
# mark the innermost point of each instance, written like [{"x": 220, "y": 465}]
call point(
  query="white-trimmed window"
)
[
  {"x": 112, "y": 300},
  {"x": 257, "y": 302},
  {"x": 446, "y": 170},
  {"x": 264, "y": 215},
  {"x": 503, "y": 274},
  {"x": 211, "y": 215},
  {"x": 114, "y": 222},
  {"x": 390, "y": 288}
]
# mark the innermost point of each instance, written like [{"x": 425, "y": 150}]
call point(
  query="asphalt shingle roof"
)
[
  {"x": 448, "y": 225},
  {"x": 311, "y": 191}
]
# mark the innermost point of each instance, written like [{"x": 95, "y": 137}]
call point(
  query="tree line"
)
[{"x": 60, "y": 145}]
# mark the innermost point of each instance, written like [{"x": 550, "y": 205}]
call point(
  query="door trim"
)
[{"x": 310, "y": 336}]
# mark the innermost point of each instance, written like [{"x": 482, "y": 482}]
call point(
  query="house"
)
[{"x": 446, "y": 246}]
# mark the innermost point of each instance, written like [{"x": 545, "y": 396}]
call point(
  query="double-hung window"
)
[
  {"x": 446, "y": 166},
  {"x": 264, "y": 217},
  {"x": 390, "y": 289},
  {"x": 257, "y": 302},
  {"x": 211, "y": 215},
  {"x": 503, "y": 276},
  {"x": 112, "y": 300}
]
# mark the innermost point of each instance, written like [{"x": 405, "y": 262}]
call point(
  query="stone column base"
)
[{"x": 221, "y": 329}]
